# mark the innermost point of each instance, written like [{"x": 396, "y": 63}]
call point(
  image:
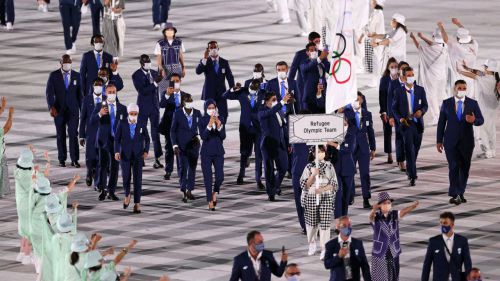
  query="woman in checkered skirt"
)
[{"x": 319, "y": 184}]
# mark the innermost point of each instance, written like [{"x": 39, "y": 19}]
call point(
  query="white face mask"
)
[
  {"x": 274, "y": 103},
  {"x": 355, "y": 105},
  {"x": 293, "y": 278},
  {"x": 147, "y": 66},
  {"x": 210, "y": 112},
  {"x": 105, "y": 79},
  {"x": 98, "y": 46},
  {"x": 132, "y": 119},
  {"x": 318, "y": 47},
  {"x": 282, "y": 75},
  {"x": 410, "y": 80},
  {"x": 188, "y": 105},
  {"x": 257, "y": 75},
  {"x": 313, "y": 55},
  {"x": 66, "y": 67},
  {"x": 214, "y": 53},
  {"x": 321, "y": 156},
  {"x": 177, "y": 86},
  {"x": 111, "y": 98},
  {"x": 252, "y": 92},
  {"x": 461, "y": 94},
  {"x": 98, "y": 90},
  {"x": 394, "y": 71}
]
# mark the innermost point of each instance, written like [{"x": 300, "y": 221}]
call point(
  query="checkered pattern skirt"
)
[
  {"x": 318, "y": 214},
  {"x": 368, "y": 56}
]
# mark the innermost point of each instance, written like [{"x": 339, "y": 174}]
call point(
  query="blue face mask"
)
[
  {"x": 259, "y": 247},
  {"x": 445, "y": 229},
  {"x": 346, "y": 231}
]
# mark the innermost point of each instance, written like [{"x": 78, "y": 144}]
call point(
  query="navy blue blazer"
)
[
  {"x": 147, "y": 98},
  {"x": 345, "y": 166},
  {"x": 180, "y": 133},
  {"x": 88, "y": 127},
  {"x": 249, "y": 117},
  {"x": 310, "y": 74},
  {"x": 60, "y": 98},
  {"x": 89, "y": 69},
  {"x": 357, "y": 258},
  {"x": 458, "y": 132},
  {"x": 383, "y": 92},
  {"x": 273, "y": 135},
  {"x": 104, "y": 138},
  {"x": 212, "y": 139},
  {"x": 364, "y": 137},
  {"x": 393, "y": 85},
  {"x": 168, "y": 114},
  {"x": 215, "y": 83},
  {"x": 436, "y": 258},
  {"x": 262, "y": 84},
  {"x": 400, "y": 107},
  {"x": 243, "y": 267},
  {"x": 273, "y": 86},
  {"x": 131, "y": 148},
  {"x": 295, "y": 73}
]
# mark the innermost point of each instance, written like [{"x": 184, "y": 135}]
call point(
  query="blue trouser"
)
[
  {"x": 154, "y": 119},
  {"x": 278, "y": 157},
  {"x": 71, "y": 16},
  {"x": 343, "y": 196},
  {"x": 188, "y": 160},
  {"x": 459, "y": 159},
  {"x": 107, "y": 166},
  {"x": 134, "y": 164},
  {"x": 387, "y": 137},
  {"x": 160, "y": 11},
  {"x": 169, "y": 156},
  {"x": 412, "y": 141},
  {"x": 96, "y": 11},
  {"x": 91, "y": 158},
  {"x": 363, "y": 161},
  {"x": 297, "y": 193},
  {"x": 67, "y": 121},
  {"x": 217, "y": 161},
  {"x": 400, "y": 146},
  {"x": 7, "y": 11},
  {"x": 249, "y": 141}
]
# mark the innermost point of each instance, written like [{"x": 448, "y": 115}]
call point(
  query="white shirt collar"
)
[
  {"x": 185, "y": 113},
  {"x": 64, "y": 72},
  {"x": 451, "y": 238},
  {"x": 342, "y": 241},
  {"x": 254, "y": 260},
  {"x": 279, "y": 81},
  {"x": 457, "y": 99},
  {"x": 400, "y": 81},
  {"x": 96, "y": 96},
  {"x": 145, "y": 72}
]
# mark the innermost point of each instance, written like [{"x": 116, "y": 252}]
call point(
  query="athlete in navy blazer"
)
[
  {"x": 251, "y": 100},
  {"x": 313, "y": 69},
  {"x": 89, "y": 66},
  {"x": 411, "y": 125},
  {"x": 274, "y": 86},
  {"x": 457, "y": 137},
  {"x": 64, "y": 99},
  {"x": 88, "y": 130},
  {"x": 216, "y": 71},
  {"x": 345, "y": 168}
]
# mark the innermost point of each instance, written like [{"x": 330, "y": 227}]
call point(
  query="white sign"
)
[{"x": 316, "y": 128}]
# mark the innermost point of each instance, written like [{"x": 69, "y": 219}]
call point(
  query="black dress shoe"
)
[
  {"x": 462, "y": 199},
  {"x": 113, "y": 197},
  {"x": 62, "y": 164},
  {"x": 184, "y": 197},
  {"x": 455, "y": 200},
  {"x": 102, "y": 196},
  {"x": 75, "y": 164},
  {"x": 366, "y": 204},
  {"x": 304, "y": 232},
  {"x": 190, "y": 195},
  {"x": 157, "y": 164},
  {"x": 271, "y": 198},
  {"x": 88, "y": 180},
  {"x": 278, "y": 192},
  {"x": 260, "y": 186},
  {"x": 166, "y": 176},
  {"x": 351, "y": 202},
  {"x": 412, "y": 182},
  {"x": 239, "y": 181},
  {"x": 136, "y": 209}
]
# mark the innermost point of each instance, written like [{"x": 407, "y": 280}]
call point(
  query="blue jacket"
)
[
  {"x": 357, "y": 258},
  {"x": 345, "y": 162},
  {"x": 382, "y": 240},
  {"x": 457, "y": 132},
  {"x": 243, "y": 267},
  {"x": 400, "y": 107},
  {"x": 88, "y": 127},
  {"x": 295, "y": 73},
  {"x": 393, "y": 85},
  {"x": 300, "y": 154},
  {"x": 273, "y": 86},
  {"x": 310, "y": 74},
  {"x": 212, "y": 138},
  {"x": 262, "y": 84},
  {"x": 215, "y": 83},
  {"x": 249, "y": 117},
  {"x": 273, "y": 135},
  {"x": 89, "y": 69},
  {"x": 131, "y": 148},
  {"x": 436, "y": 258},
  {"x": 147, "y": 98},
  {"x": 104, "y": 137},
  {"x": 180, "y": 133},
  {"x": 383, "y": 93},
  {"x": 364, "y": 137},
  {"x": 170, "y": 107},
  {"x": 64, "y": 100},
  {"x": 71, "y": 2}
]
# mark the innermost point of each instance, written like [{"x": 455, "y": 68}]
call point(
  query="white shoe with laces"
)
[
  {"x": 45, "y": 8},
  {"x": 20, "y": 257},
  {"x": 9, "y": 26},
  {"x": 312, "y": 249},
  {"x": 73, "y": 48},
  {"x": 322, "y": 255},
  {"x": 163, "y": 25},
  {"x": 156, "y": 27}
]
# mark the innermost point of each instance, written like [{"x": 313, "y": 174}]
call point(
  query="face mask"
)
[
  {"x": 98, "y": 46},
  {"x": 313, "y": 55},
  {"x": 321, "y": 156},
  {"x": 318, "y": 47},
  {"x": 187, "y": 105},
  {"x": 98, "y": 90},
  {"x": 147, "y": 66},
  {"x": 445, "y": 229},
  {"x": 177, "y": 86},
  {"x": 346, "y": 231},
  {"x": 410, "y": 80},
  {"x": 66, "y": 67},
  {"x": 259, "y": 247},
  {"x": 252, "y": 92},
  {"x": 461, "y": 94},
  {"x": 111, "y": 98},
  {"x": 257, "y": 75},
  {"x": 293, "y": 278},
  {"x": 282, "y": 75},
  {"x": 169, "y": 33},
  {"x": 214, "y": 53},
  {"x": 210, "y": 112},
  {"x": 355, "y": 105},
  {"x": 393, "y": 71},
  {"x": 274, "y": 103},
  {"x": 104, "y": 78},
  {"x": 132, "y": 119}
]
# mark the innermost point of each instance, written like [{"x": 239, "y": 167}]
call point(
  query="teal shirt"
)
[{"x": 23, "y": 186}]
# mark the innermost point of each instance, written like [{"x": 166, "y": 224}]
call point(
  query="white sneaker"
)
[
  {"x": 40, "y": 7},
  {"x": 163, "y": 25},
  {"x": 322, "y": 255},
  {"x": 27, "y": 260},
  {"x": 304, "y": 34},
  {"x": 284, "y": 21},
  {"x": 489, "y": 154},
  {"x": 73, "y": 48},
  {"x": 156, "y": 27},
  {"x": 312, "y": 249},
  {"x": 45, "y": 8},
  {"x": 19, "y": 257},
  {"x": 70, "y": 52},
  {"x": 9, "y": 26}
]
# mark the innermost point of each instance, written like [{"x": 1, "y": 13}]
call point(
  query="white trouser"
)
[
  {"x": 283, "y": 9},
  {"x": 324, "y": 235},
  {"x": 120, "y": 28},
  {"x": 301, "y": 13}
]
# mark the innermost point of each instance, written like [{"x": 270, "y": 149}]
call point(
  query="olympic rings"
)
[
  {"x": 338, "y": 55},
  {"x": 334, "y": 73},
  {"x": 336, "y": 70}
]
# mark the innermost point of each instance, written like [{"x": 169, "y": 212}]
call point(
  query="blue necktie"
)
[
  {"x": 459, "y": 110},
  {"x": 66, "y": 80},
  {"x": 216, "y": 67},
  {"x": 97, "y": 100},
  {"x": 412, "y": 97},
  {"x": 283, "y": 93},
  {"x": 190, "y": 120},
  {"x": 132, "y": 130},
  {"x": 252, "y": 100},
  {"x": 98, "y": 58},
  {"x": 112, "y": 116},
  {"x": 177, "y": 100},
  {"x": 357, "y": 119}
]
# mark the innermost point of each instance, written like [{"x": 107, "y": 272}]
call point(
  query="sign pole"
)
[{"x": 317, "y": 176}]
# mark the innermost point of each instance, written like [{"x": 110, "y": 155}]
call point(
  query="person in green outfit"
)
[
  {"x": 62, "y": 240},
  {"x": 96, "y": 267},
  {"x": 4, "y": 172}
]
